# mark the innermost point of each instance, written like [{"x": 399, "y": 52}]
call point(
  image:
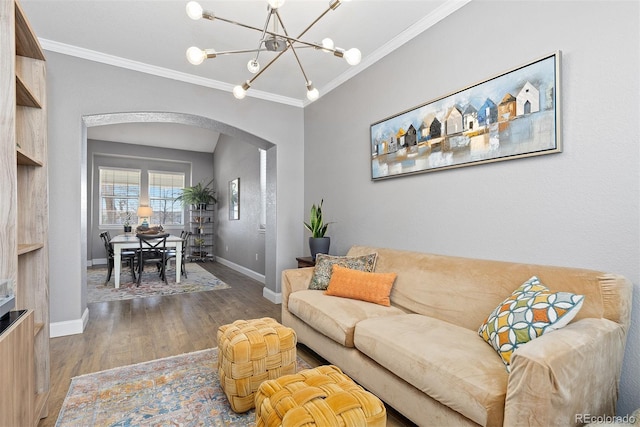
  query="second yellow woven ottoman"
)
[
  {"x": 322, "y": 397},
  {"x": 250, "y": 352}
]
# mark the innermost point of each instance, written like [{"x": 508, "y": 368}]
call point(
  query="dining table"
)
[{"x": 131, "y": 241}]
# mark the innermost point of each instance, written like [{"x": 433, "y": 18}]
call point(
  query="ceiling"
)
[{"x": 152, "y": 37}]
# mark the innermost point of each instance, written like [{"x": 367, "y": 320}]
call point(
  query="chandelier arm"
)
[
  {"x": 250, "y": 27},
  {"x": 314, "y": 23},
  {"x": 263, "y": 69},
  {"x": 228, "y": 52},
  {"x": 264, "y": 31},
  {"x": 288, "y": 38},
  {"x": 306, "y": 79}
]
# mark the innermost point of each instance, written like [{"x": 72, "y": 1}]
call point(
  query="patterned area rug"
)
[
  {"x": 176, "y": 391},
  {"x": 198, "y": 280}
]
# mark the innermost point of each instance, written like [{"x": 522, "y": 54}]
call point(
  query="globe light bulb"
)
[
  {"x": 195, "y": 55},
  {"x": 239, "y": 92},
  {"x": 328, "y": 45},
  {"x": 313, "y": 94},
  {"x": 275, "y": 3},
  {"x": 194, "y": 10},
  {"x": 353, "y": 56},
  {"x": 253, "y": 66}
]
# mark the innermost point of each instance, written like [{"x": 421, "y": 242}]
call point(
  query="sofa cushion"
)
[
  {"x": 530, "y": 311},
  {"x": 361, "y": 285},
  {"x": 324, "y": 267},
  {"x": 335, "y": 317},
  {"x": 451, "y": 364}
]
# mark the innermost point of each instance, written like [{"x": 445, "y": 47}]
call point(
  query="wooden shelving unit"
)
[
  {"x": 201, "y": 243},
  {"x": 24, "y": 212}
]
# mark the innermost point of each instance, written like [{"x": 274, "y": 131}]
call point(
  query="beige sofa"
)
[{"x": 423, "y": 356}]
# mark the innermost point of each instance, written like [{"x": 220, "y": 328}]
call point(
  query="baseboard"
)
[
  {"x": 274, "y": 297},
  {"x": 69, "y": 327},
  {"x": 244, "y": 270},
  {"x": 97, "y": 261}
]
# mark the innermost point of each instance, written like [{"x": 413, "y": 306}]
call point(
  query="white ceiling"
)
[{"x": 152, "y": 37}]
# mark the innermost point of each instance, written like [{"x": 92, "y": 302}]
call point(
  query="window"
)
[
  {"x": 164, "y": 187},
  {"x": 119, "y": 195}
]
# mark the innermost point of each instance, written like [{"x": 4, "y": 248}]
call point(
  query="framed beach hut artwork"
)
[{"x": 512, "y": 115}]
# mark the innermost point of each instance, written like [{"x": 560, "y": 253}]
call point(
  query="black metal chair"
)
[
  {"x": 171, "y": 252},
  {"x": 127, "y": 256},
  {"x": 153, "y": 250}
]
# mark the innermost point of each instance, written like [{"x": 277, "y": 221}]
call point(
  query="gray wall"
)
[
  {"x": 196, "y": 166},
  {"x": 239, "y": 241},
  {"x": 78, "y": 88},
  {"x": 579, "y": 208}
]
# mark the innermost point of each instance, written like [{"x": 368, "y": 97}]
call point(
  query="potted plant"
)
[
  {"x": 198, "y": 195},
  {"x": 318, "y": 242}
]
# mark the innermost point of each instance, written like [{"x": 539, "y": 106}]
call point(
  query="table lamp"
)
[{"x": 145, "y": 212}]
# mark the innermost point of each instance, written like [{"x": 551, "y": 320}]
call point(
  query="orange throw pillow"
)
[{"x": 361, "y": 285}]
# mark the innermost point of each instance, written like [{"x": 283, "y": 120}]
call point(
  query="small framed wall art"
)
[
  {"x": 512, "y": 115},
  {"x": 234, "y": 199}
]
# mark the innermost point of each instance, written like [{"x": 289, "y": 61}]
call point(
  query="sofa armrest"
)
[
  {"x": 559, "y": 376},
  {"x": 294, "y": 280}
]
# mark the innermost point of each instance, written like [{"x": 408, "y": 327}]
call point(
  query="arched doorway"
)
[{"x": 89, "y": 121}]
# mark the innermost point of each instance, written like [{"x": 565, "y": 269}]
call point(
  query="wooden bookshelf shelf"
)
[
  {"x": 24, "y": 96},
  {"x": 26, "y": 160},
  {"x": 27, "y": 43},
  {"x": 41, "y": 405},
  {"x": 37, "y": 328},
  {"x": 25, "y": 248}
]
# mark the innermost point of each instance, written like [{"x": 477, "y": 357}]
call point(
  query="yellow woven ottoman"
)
[
  {"x": 322, "y": 397},
  {"x": 250, "y": 352}
]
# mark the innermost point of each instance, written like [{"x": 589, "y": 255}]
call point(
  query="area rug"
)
[
  {"x": 198, "y": 280},
  {"x": 176, "y": 391}
]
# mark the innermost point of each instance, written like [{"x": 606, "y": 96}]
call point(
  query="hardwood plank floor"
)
[{"x": 121, "y": 333}]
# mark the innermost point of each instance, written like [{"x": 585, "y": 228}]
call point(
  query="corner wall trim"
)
[
  {"x": 69, "y": 327},
  {"x": 244, "y": 270},
  {"x": 274, "y": 297}
]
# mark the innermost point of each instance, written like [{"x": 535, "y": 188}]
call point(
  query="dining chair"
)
[
  {"x": 126, "y": 256},
  {"x": 153, "y": 250},
  {"x": 171, "y": 252}
]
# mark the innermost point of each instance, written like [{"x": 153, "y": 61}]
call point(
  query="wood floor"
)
[{"x": 121, "y": 333}]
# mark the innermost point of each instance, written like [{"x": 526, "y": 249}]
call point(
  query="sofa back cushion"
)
[{"x": 463, "y": 291}]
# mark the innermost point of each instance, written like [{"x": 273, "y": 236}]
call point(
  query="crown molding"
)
[
  {"x": 407, "y": 35},
  {"x": 116, "y": 61},
  {"x": 410, "y": 33}
]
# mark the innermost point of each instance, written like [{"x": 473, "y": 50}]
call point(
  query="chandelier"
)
[{"x": 275, "y": 40}]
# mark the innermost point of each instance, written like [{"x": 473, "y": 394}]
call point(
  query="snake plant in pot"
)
[{"x": 318, "y": 242}]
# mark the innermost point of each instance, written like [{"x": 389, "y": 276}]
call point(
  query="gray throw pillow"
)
[{"x": 325, "y": 263}]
